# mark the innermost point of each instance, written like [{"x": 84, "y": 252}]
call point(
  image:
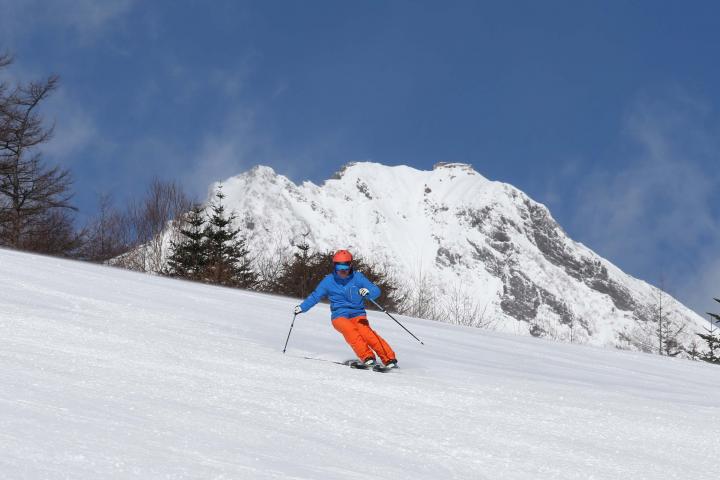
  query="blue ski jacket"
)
[{"x": 345, "y": 299}]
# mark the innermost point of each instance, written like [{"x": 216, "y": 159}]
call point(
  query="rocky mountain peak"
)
[
  {"x": 463, "y": 167},
  {"x": 453, "y": 232}
]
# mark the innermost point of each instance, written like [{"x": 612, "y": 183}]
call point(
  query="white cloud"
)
[
  {"x": 91, "y": 15},
  {"x": 86, "y": 18},
  {"x": 75, "y": 129},
  {"x": 657, "y": 214},
  {"x": 74, "y": 126},
  {"x": 700, "y": 292},
  {"x": 225, "y": 153}
]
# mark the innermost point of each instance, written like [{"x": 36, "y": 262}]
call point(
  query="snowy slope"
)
[
  {"x": 456, "y": 233},
  {"x": 110, "y": 374}
]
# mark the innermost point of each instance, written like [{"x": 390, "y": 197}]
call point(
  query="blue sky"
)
[{"x": 608, "y": 112}]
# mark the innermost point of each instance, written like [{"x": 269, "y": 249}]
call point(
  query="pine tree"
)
[
  {"x": 243, "y": 274},
  {"x": 715, "y": 317},
  {"x": 712, "y": 338},
  {"x": 228, "y": 260},
  {"x": 189, "y": 258},
  {"x": 298, "y": 275}
]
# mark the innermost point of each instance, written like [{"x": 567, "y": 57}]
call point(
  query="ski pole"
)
[
  {"x": 288, "y": 337},
  {"x": 403, "y": 326}
]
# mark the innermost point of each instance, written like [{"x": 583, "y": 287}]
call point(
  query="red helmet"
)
[{"x": 342, "y": 256}]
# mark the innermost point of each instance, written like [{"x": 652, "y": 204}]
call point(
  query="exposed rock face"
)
[{"x": 459, "y": 230}]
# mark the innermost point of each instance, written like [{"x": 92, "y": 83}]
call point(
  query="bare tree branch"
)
[{"x": 34, "y": 199}]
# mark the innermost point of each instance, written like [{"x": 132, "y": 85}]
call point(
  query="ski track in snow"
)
[{"x": 111, "y": 374}]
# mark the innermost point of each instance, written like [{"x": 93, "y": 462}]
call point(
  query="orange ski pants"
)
[{"x": 363, "y": 339}]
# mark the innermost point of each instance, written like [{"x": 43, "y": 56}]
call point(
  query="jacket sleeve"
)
[
  {"x": 374, "y": 289},
  {"x": 312, "y": 299}
]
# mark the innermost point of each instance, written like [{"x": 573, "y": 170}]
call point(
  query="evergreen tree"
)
[
  {"x": 693, "y": 350},
  {"x": 228, "y": 260},
  {"x": 189, "y": 258},
  {"x": 299, "y": 275},
  {"x": 715, "y": 317},
  {"x": 712, "y": 338}
]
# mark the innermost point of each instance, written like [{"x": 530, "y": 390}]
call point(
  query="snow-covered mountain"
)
[
  {"x": 111, "y": 374},
  {"x": 465, "y": 239}
]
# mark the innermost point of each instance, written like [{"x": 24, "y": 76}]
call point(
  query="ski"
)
[
  {"x": 381, "y": 368},
  {"x": 375, "y": 368},
  {"x": 356, "y": 364},
  {"x": 346, "y": 362}
]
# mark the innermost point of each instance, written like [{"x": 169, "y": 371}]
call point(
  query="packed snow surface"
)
[{"x": 110, "y": 374}]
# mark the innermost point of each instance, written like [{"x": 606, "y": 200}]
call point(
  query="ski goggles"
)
[{"x": 342, "y": 267}]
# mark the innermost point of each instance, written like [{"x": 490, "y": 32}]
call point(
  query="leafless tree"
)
[
  {"x": 34, "y": 198},
  {"x": 55, "y": 234},
  {"x": 459, "y": 307},
  {"x": 669, "y": 328},
  {"x": 269, "y": 266},
  {"x": 153, "y": 223},
  {"x": 419, "y": 298},
  {"x": 661, "y": 329},
  {"x": 108, "y": 234},
  {"x": 5, "y": 60}
]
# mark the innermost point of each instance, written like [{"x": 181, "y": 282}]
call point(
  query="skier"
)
[{"x": 346, "y": 288}]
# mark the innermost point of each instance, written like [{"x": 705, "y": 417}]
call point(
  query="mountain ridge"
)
[{"x": 451, "y": 228}]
